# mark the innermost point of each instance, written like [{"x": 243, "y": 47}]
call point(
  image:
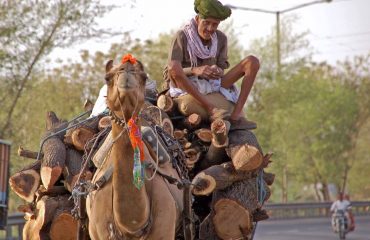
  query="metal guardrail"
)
[
  {"x": 15, "y": 220},
  {"x": 312, "y": 210},
  {"x": 276, "y": 211}
]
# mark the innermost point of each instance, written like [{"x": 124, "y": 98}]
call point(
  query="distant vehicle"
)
[
  {"x": 4, "y": 187},
  {"x": 340, "y": 223}
]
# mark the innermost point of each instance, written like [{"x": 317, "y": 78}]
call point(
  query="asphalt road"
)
[{"x": 309, "y": 229}]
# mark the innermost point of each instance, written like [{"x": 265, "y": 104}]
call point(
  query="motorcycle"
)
[{"x": 340, "y": 223}]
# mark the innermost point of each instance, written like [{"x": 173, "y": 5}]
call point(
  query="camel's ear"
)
[{"x": 108, "y": 66}]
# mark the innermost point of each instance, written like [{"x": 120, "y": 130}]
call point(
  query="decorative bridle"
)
[
  {"x": 134, "y": 132},
  {"x": 119, "y": 121}
]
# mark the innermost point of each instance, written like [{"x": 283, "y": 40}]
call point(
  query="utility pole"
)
[
  {"x": 277, "y": 14},
  {"x": 278, "y": 58}
]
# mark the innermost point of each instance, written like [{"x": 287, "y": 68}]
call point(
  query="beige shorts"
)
[{"x": 188, "y": 105}]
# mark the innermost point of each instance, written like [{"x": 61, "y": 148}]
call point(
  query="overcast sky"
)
[{"x": 337, "y": 30}]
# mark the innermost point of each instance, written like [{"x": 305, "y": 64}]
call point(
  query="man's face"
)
[
  {"x": 340, "y": 196},
  {"x": 206, "y": 27}
]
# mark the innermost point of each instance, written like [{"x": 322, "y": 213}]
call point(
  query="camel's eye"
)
[
  {"x": 108, "y": 78},
  {"x": 142, "y": 76}
]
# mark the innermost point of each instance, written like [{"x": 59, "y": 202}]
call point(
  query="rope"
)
[
  {"x": 261, "y": 194},
  {"x": 156, "y": 134},
  {"x": 261, "y": 187},
  {"x": 65, "y": 129}
]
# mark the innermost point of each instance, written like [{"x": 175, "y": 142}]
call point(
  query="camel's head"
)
[{"x": 126, "y": 88}]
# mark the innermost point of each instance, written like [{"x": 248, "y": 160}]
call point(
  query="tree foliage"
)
[
  {"x": 311, "y": 117},
  {"x": 29, "y": 31}
]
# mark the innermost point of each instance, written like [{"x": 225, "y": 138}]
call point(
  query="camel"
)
[{"x": 119, "y": 209}]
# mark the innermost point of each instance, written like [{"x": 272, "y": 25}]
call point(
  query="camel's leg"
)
[
  {"x": 164, "y": 211},
  {"x": 100, "y": 212}
]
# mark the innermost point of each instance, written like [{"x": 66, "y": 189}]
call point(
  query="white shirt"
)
[
  {"x": 100, "y": 104},
  {"x": 340, "y": 205},
  {"x": 101, "y": 101}
]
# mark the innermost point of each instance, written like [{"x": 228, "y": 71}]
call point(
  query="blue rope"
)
[
  {"x": 261, "y": 194},
  {"x": 261, "y": 191}
]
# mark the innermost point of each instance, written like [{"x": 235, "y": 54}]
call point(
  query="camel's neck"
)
[{"x": 130, "y": 205}]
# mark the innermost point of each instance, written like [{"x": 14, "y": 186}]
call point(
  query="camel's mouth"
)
[{"x": 126, "y": 89}]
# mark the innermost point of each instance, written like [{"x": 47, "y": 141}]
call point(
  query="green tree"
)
[
  {"x": 29, "y": 31},
  {"x": 311, "y": 117}
]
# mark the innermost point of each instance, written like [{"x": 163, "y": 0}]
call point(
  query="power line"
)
[
  {"x": 365, "y": 50},
  {"x": 352, "y": 42},
  {"x": 338, "y": 43},
  {"x": 342, "y": 35}
]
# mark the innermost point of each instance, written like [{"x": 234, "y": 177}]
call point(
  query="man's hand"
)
[{"x": 208, "y": 72}]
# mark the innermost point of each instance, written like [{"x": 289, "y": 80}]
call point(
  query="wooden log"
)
[
  {"x": 216, "y": 153},
  {"x": 184, "y": 143},
  {"x": 269, "y": 178},
  {"x": 245, "y": 193},
  {"x": 104, "y": 122},
  {"x": 157, "y": 116},
  {"x": 53, "y": 191},
  {"x": 220, "y": 130},
  {"x": 245, "y": 157},
  {"x": 38, "y": 228},
  {"x": 192, "y": 156},
  {"x": 79, "y": 133},
  {"x": 28, "y": 154},
  {"x": 214, "y": 156},
  {"x": 28, "y": 211},
  {"x": 88, "y": 105},
  {"x": 46, "y": 208},
  {"x": 231, "y": 220},
  {"x": 72, "y": 168},
  {"x": 266, "y": 160},
  {"x": 180, "y": 134},
  {"x": 192, "y": 121},
  {"x": 81, "y": 136},
  {"x": 204, "y": 134},
  {"x": 53, "y": 162},
  {"x": 240, "y": 137},
  {"x": 31, "y": 231},
  {"x": 26, "y": 182},
  {"x": 93, "y": 124},
  {"x": 187, "y": 145},
  {"x": 71, "y": 182},
  {"x": 166, "y": 103},
  {"x": 54, "y": 125},
  {"x": 68, "y": 140},
  {"x": 216, "y": 178},
  {"x": 63, "y": 225}
]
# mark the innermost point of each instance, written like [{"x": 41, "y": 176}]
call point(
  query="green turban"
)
[{"x": 211, "y": 8}]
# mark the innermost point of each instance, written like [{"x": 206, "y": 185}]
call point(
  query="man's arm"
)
[
  {"x": 178, "y": 75},
  {"x": 333, "y": 206}
]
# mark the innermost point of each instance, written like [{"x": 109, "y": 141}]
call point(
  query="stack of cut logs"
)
[
  {"x": 215, "y": 158},
  {"x": 47, "y": 183}
]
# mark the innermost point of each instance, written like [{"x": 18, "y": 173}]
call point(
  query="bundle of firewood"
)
[
  {"x": 46, "y": 185},
  {"x": 224, "y": 165}
]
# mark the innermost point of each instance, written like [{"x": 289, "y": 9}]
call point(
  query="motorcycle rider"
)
[{"x": 343, "y": 204}]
